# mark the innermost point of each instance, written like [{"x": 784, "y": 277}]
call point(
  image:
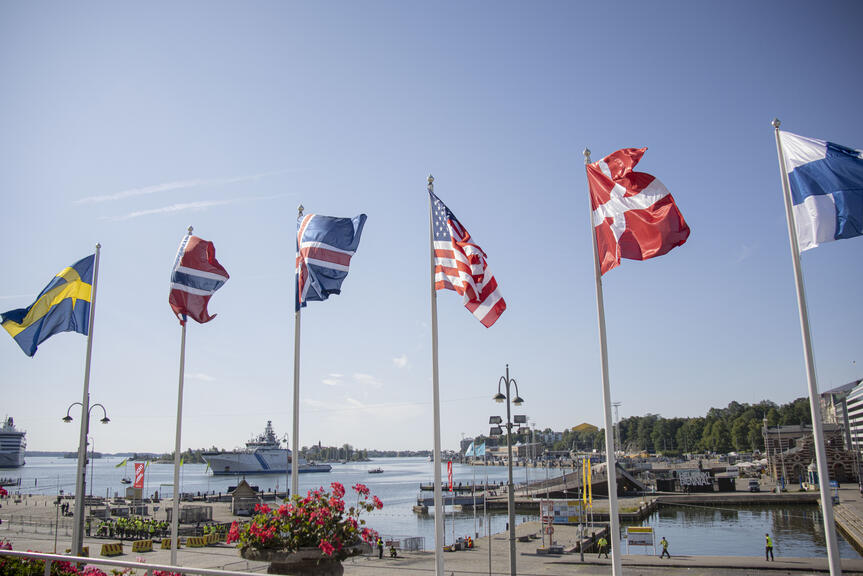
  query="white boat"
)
[
  {"x": 12, "y": 445},
  {"x": 376, "y": 471},
  {"x": 262, "y": 455}
]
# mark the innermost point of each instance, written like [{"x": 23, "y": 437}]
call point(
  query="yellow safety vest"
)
[{"x": 769, "y": 542}]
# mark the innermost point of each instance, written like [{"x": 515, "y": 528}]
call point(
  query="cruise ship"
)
[
  {"x": 262, "y": 455},
  {"x": 12, "y": 445}
]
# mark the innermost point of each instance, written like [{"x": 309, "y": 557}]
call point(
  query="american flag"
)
[{"x": 460, "y": 265}]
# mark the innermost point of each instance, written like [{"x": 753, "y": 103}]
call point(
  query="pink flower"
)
[
  {"x": 233, "y": 534},
  {"x": 262, "y": 508},
  {"x": 361, "y": 489},
  {"x": 338, "y": 489},
  {"x": 326, "y": 547},
  {"x": 378, "y": 503},
  {"x": 369, "y": 535}
]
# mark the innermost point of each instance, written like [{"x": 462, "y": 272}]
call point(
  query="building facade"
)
[
  {"x": 854, "y": 411},
  {"x": 791, "y": 449}
]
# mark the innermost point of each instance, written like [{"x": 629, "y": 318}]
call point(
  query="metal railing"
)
[{"x": 49, "y": 559}]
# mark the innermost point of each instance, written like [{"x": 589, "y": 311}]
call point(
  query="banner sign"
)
[
  {"x": 449, "y": 474},
  {"x": 694, "y": 478},
  {"x": 139, "y": 475},
  {"x": 639, "y": 535},
  {"x": 567, "y": 512}
]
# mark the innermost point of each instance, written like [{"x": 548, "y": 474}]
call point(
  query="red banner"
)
[
  {"x": 449, "y": 474},
  {"x": 139, "y": 475}
]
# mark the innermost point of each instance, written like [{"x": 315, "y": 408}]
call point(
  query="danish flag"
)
[{"x": 634, "y": 215}]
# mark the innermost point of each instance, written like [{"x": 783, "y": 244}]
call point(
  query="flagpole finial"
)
[
  {"x": 191, "y": 230},
  {"x": 586, "y": 153},
  {"x": 300, "y": 209},
  {"x": 98, "y": 246},
  {"x": 431, "y": 179},
  {"x": 776, "y": 123}
]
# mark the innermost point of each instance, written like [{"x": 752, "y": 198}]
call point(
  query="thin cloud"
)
[
  {"x": 400, "y": 361},
  {"x": 175, "y": 185},
  {"x": 187, "y": 206},
  {"x": 200, "y": 376},
  {"x": 367, "y": 380},
  {"x": 333, "y": 380},
  {"x": 176, "y": 208}
]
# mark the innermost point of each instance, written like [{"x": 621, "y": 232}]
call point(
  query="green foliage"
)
[{"x": 737, "y": 427}]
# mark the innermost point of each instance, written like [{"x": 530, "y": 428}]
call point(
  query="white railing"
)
[{"x": 49, "y": 559}]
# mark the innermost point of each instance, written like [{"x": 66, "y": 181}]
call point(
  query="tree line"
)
[{"x": 737, "y": 427}]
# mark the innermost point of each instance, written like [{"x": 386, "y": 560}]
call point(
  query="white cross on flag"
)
[{"x": 634, "y": 215}]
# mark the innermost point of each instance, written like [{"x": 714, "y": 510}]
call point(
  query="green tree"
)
[{"x": 740, "y": 434}]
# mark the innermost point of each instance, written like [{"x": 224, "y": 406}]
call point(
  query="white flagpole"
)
[
  {"x": 473, "y": 492},
  {"x": 175, "y": 516},
  {"x": 295, "y": 441},
  {"x": 78, "y": 527},
  {"x": 814, "y": 399},
  {"x": 438, "y": 499},
  {"x": 614, "y": 521}
]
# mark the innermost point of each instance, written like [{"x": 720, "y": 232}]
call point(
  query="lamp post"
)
[
  {"x": 496, "y": 430},
  {"x": 81, "y": 480}
]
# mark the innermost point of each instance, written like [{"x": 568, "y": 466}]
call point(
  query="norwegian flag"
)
[
  {"x": 196, "y": 276},
  {"x": 460, "y": 265},
  {"x": 634, "y": 215}
]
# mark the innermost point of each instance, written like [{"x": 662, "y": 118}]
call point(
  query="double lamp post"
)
[
  {"x": 80, "y": 479},
  {"x": 495, "y": 431}
]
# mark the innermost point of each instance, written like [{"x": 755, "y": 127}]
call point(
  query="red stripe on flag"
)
[{"x": 325, "y": 255}]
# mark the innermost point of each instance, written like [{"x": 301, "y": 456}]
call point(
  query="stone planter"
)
[{"x": 304, "y": 562}]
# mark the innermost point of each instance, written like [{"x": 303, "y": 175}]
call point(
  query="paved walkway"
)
[{"x": 849, "y": 512}]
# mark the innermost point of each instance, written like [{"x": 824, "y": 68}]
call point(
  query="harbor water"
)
[{"x": 691, "y": 530}]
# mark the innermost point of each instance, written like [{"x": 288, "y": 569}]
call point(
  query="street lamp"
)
[
  {"x": 496, "y": 431},
  {"x": 81, "y": 481}
]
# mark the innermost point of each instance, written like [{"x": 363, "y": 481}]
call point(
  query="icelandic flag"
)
[
  {"x": 325, "y": 245},
  {"x": 826, "y": 189},
  {"x": 196, "y": 276}
]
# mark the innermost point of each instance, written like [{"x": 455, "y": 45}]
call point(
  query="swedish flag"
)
[{"x": 63, "y": 306}]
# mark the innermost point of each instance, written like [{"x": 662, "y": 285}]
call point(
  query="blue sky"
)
[{"x": 125, "y": 123}]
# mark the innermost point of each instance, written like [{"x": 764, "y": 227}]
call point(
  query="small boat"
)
[
  {"x": 376, "y": 471},
  {"x": 125, "y": 481}
]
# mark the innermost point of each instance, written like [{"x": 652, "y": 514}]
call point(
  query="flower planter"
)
[
  {"x": 303, "y": 536},
  {"x": 303, "y": 562}
]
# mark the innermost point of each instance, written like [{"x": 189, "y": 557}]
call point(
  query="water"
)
[
  {"x": 397, "y": 487},
  {"x": 691, "y": 530},
  {"x": 713, "y": 531}
]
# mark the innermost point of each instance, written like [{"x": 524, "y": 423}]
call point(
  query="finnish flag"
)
[{"x": 826, "y": 189}]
